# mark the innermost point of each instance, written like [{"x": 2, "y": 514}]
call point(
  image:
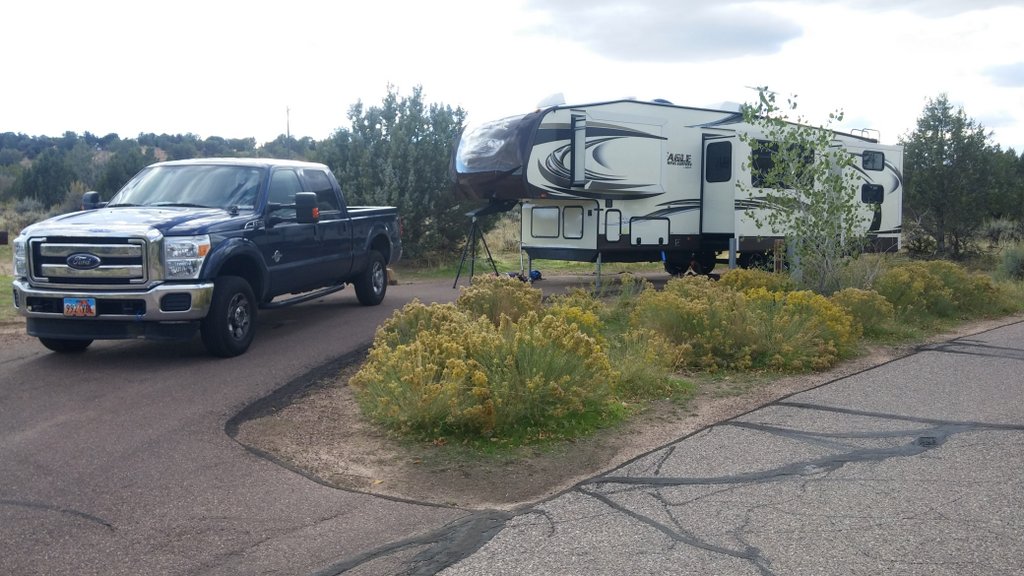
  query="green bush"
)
[
  {"x": 1011, "y": 265},
  {"x": 862, "y": 271},
  {"x": 646, "y": 361}
]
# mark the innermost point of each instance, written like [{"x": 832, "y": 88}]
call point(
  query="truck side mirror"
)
[
  {"x": 306, "y": 210},
  {"x": 91, "y": 200}
]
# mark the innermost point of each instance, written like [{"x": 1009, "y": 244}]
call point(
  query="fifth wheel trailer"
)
[{"x": 634, "y": 181}]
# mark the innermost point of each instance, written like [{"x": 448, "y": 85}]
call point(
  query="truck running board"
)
[{"x": 304, "y": 297}]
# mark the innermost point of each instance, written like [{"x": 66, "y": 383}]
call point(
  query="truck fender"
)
[
  {"x": 239, "y": 257},
  {"x": 379, "y": 230}
]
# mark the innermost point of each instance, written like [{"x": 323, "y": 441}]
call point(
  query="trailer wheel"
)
[
  {"x": 65, "y": 345},
  {"x": 229, "y": 327},
  {"x": 372, "y": 284},
  {"x": 707, "y": 262},
  {"x": 673, "y": 268},
  {"x": 759, "y": 260}
]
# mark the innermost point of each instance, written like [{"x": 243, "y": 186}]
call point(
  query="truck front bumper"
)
[{"x": 165, "y": 310}]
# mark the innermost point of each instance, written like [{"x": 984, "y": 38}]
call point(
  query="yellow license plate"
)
[{"x": 79, "y": 307}]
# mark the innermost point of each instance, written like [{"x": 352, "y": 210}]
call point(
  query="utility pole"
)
[{"x": 288, "y": 122}]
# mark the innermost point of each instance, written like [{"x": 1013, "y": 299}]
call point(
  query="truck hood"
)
[{"x": 130, "y": 221}]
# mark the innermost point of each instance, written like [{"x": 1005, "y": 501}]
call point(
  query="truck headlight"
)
[
  {"x": 20, "y": 258},
  {"x": 183, "y": 257}
]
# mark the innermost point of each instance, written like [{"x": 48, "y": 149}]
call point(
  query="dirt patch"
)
[{"x": 324, "y": 435}]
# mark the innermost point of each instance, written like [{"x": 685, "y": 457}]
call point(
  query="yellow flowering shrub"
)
[
  {"x": 974, "y": 294},
  {"x": 494, "y": 296},
  {"x": 463, "y": 375},
  {"x": 580, "y": 308},
  {"x": 693, "y": 287},
  {"x": 916, "y": 292},
  {"x": 415, "y": 317},
  {"x": 741, "y": 279},
  {"x": 800, "y": 330},
  {"x": 869, "y": 309},
  {"x": 722, "y": 328},
  {"x": 710, "y": 321},
  {"x": 646, "y": 361}
]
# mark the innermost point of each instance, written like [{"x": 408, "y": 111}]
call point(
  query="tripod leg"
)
[
  {"x": 472, "y": 252},
  {"x": 462, "y": 261},
  {"x": 489, "y": 257}
]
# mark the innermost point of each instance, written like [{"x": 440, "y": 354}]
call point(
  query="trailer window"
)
[
  {"x": 718, "y": 162},
  {"x": 872, "y": 160},
  {"x": 572, "y": 222},
  {"x": 872, "y": 194},
  {"x": 544, "y": 222},
  {"x": 762, "y": 164}
]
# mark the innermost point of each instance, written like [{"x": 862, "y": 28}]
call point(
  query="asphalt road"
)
[
  {"x": 911, "y": 468},
  {"x": 116, "y": 461}
]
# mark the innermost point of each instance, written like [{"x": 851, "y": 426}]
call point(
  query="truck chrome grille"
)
[{"x": 89, "y": 261}]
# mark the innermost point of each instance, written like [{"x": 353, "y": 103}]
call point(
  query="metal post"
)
[{"x": 732, "y": 253}]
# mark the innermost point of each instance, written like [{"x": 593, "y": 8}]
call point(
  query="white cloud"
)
[
  {"x": 230, "y": 68},
  {"x": 668, "y": 31}
]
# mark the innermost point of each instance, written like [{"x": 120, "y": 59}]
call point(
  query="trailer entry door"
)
[{"x": 718, "y": 186}]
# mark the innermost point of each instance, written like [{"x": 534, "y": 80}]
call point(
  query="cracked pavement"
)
[{"x": 912, "y": 467}]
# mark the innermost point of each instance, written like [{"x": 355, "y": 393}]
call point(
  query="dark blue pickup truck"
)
[{"x": 199, "y": 245}]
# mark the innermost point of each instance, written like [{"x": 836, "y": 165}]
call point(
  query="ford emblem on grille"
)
[{"x": 83, "y": 261}]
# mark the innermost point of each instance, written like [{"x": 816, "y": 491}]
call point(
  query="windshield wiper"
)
[
  {"x": 179, "y": 204},
  {"x": 120, "y": 204}
]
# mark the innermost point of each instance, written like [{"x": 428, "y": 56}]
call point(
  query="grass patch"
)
[
  {"x": 7, "y": 311},
  {"x": 509, "y": 262}
]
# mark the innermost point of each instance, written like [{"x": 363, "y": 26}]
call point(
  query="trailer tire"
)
[
  {"x": 674, "y": 269},
  {"x": 230, "y": 325},
  {"x": 707, "y": 262},
  {"x": 65, "y": 345},
  {"x": 758, "y": 260},
  {"x": 372, "y": 283}
]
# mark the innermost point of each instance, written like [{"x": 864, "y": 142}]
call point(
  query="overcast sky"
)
[{"x": 231, "y": 69}]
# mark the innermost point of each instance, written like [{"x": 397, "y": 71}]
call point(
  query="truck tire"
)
[
  {"x": 64, "y": 345},
  {"x": 230, "y": 325},
  {"x": 372, "y": 283}
]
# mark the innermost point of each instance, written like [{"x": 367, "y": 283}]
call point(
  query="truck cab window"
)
[
  {"x": 319, "y": 183},
  {"x": 284, "y": 185}
]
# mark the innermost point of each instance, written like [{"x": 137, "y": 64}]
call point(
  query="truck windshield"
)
[{"x": 197, "y": 186}]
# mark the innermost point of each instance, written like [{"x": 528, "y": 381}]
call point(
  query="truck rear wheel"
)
[
  {"x": 229, "y": 327},
  {"x": 64, "y": 345},
  {"x": 372, "y": 284}
]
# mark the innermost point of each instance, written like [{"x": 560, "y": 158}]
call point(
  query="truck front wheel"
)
[
  {"x": 230, "y": 325},
  {"x": 64, "y": 345},
  {"x": 372, "y": 284}
]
